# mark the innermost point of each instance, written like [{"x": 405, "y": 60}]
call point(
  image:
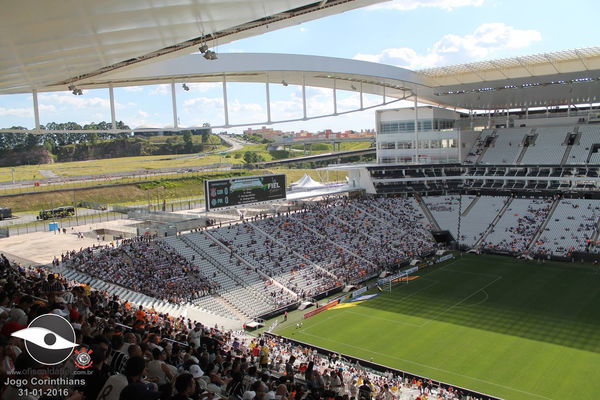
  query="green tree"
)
[
  {"x": 92, "y": 138},
  {"x": 251, "y": 157},
  {"x": 188, "y": 142}
]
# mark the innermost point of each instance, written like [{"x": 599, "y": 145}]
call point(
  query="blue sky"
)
[{"x": 407, "y": 33}]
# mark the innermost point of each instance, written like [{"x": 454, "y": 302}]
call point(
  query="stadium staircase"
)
[
  {"x": 597, "y": 233},
  {"x": 567, "y": 154},
  {"x": 470, "y": 206},
  {"x": 229, "y": 306},
  {"x": 484, "y": 149},
  {"x": 427, "y": 212},
  {"x": 250, "y": 299},
  {"x": 282, "y": 244},
  {"x": 493, "y": 223},
  {"x": 525, "y": 148},
  {"x": 542, "y": 227},
  {"x": 333, "y": 243},
  {"x": 245, "y": 262}
]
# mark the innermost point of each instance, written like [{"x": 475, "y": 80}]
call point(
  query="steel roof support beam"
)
[
  {"x": 335, "y": 97},
  {"x": 174, "y": 103},
  {"x": 225, "y": 109},
  {"x": 361, "y": 96},
  {"x": 582, "y": 59},
  {"x": 268, "y": 100},
  {"x": 111, "y": 96},
  {"x": 416, "y": 129},
  {"x": 551, "y": 61},
  {"x": 303, "y": 96},
  {"x": 36, "y": 110},
  {"x": 524, "y": 66}
]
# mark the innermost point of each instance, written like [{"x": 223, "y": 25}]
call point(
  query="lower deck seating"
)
[{"x": 571, "y": 227}]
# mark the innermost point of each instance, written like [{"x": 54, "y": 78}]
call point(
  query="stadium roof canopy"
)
[
  {"x": 548, "y": 79},
  {"x": 50, "y": 43},
  {"x": 48, "y": 46},
  {"x": 569, "y": 77}
]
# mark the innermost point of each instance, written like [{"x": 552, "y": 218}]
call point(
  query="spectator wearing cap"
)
[
  {"x": 19, "y": 313},
  {"x": 249, "y": 395},
  {"x": 198, "y": 375}
]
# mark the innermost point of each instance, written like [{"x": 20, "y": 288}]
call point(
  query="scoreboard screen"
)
[{"x": 233, "y": 192}]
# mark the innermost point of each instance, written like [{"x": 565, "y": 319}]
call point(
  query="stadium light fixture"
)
[
  {"x": 284, "y": 83},
  {"x": 353, "y": 87},
  {"x": 203, "y": 49},
  {"x": 210, "y": 55},
  {"x": 185, "y": 87}
]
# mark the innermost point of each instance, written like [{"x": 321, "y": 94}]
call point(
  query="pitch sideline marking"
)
[{"x": 431, "y": 367}]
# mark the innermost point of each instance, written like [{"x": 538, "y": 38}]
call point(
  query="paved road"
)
[{"x": 22, "y": 218}]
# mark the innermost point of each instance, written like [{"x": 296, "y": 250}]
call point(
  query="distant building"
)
[
  {"x": 265, "y": 133},
  {"x": 434, "y": 141}
]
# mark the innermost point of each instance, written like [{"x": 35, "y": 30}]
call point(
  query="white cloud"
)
[
  {"x": 405, "y": 5},
  {"x": 21, "y": 112},
  {"x": 76, "y": 101},
  {"x": 204, "y": 86},
  {"x": 133, "y": 89},
  {"x": 24, "y": 112},
  {"x": 143, "y": 113},
  {"x": 202, "y": 102},
  {"x": 485, "y": 41},
  {"x": 161, "y": 89}
]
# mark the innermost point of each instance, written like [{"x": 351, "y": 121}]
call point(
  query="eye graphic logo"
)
[{"x": 49, "y": 339}]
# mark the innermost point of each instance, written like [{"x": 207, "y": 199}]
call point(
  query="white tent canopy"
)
[{"x": 306, "y": 182}]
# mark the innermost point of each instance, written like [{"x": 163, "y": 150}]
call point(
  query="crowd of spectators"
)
[
  {"x": 572, "y": 229},
  {"x": 144, "y": 265},
  {"x": 275, "y": 260},
  {"x": 519, "y": 233},
  {"x": 137, "y": 353}
]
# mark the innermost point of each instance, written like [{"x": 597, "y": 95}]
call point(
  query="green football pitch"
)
[{"x": 513, "y": 329}]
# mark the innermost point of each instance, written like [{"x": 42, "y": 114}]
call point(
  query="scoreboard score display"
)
[{"x": 220, "y": 193}]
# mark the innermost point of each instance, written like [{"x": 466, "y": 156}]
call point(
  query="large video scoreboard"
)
[{"x": 233, "y": 192}]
